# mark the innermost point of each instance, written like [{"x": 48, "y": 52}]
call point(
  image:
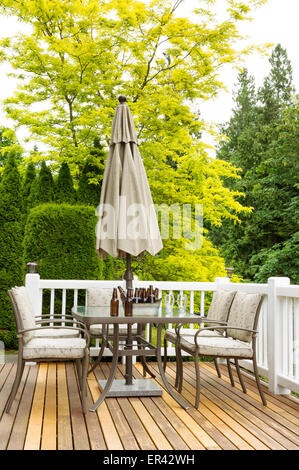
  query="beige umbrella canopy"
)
[{"x": 127, "y": 219}]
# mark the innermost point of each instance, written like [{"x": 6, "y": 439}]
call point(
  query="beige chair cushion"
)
[
  {"x": 242, "y": 314},
  {"x": 96, "y": 330},
  {"x": 100, "y": 297},
  {"x": 220, "y": 306},
  {"x": 56, "y": 333},
  {"x": 217, "y": 346},
  {"x": 25, "y": 308},
  {"x": 170, "y": 334},
  {"x": 54, "y": 348}
]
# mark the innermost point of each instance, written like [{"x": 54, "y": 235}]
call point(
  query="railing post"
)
[
  {"x": 221, "y": 280},
  {"x": 32, "y": 283},
  {"x": 275, "y": 334}
]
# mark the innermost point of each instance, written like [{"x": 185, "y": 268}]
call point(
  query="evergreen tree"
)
[
  {"x": 263, "y": 133},
  {"x": 64, "y": 189},
  {"x": 90, "y": 182},
  {"x": 42, "y": 190},
  {"x": 108, "y": 268},
  {"x": 28, "y": 181},
  {"x": 11, "y": 249}
]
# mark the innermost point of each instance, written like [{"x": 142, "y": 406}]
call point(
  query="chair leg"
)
[
  {"x": 84, "y": 381},
  {"x": 240, "y": 376},
  {"x": 197, "y": 380},
  {"x": 19, "y": 373},
  {"x": 179, "y": 368},
  {"x": 79, "y": 372},
  {"x": 257, "y": 378},
  {"x": 165, "y": 355},
  {"x": 230, "y": 373},
  {"x": 217, "y": 368}
]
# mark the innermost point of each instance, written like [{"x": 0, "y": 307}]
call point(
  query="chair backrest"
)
[
  {"x": 23, "y": 311},
  {"x": 100, "y": 297},
  {"x": 220, "y": 306},
  {"x": 244, "y": 313}
]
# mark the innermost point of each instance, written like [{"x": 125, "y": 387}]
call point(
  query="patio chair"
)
[
  {"x": 102, "y": 297},
  {"x": 217, "y": 315},
  {"x": 239, "y": 341},
  {"x": 41, "y": 343}
]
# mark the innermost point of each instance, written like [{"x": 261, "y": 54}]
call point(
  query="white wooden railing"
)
[{"x": 278, "y": 339}]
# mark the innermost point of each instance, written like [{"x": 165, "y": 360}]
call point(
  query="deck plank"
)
[
  {"x": 236, "y": 399},
  {"x": 50, "y": 422},
  {"x": 64, "y": 427},
  {"x": 18, "y": 434},
  {"x": 80, "y": 436},
  {"x": 109, "y": 430},
  {"x": 287, "y": 428},
  {"x": 221, "y": 421},
  {"x": 124, "y": 430},
  {"x": 289, "y": 412},
  {"x": 47, "y": 413},
  {"x": 8, "y": 419},
  {"x": 34, "y": 431}
]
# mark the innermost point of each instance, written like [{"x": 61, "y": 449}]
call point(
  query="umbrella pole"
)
[{"x": 128, "y": 276}]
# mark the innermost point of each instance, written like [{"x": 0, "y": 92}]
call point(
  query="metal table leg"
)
[
  {"x": 162, "y": 373},
  {"x": 112, "y": 369}
]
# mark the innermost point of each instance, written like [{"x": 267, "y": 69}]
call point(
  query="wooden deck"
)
[{"x": 47, "y": 414}]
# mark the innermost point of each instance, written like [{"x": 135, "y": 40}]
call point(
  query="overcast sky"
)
[{"x": 276, "y": 22}]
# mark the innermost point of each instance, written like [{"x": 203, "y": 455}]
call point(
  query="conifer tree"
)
[
  {"x": 64, "y": 189},
  {"x": 42, "y": 190},
  {"x": 28, "y": 181},
  {"x": 263, "y": 142},
  {"x": 11, "y": 249}
]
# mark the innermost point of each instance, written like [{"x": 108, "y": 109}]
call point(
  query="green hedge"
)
[
  {"x": 61, "y": 239},
  {"x": 11, "y": 250}
]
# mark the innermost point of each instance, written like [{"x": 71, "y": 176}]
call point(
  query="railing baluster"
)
[
  {"x": 290, "y": 337},
  {"x": 63, "y": 308},
  {"x": 296, "y": 339},
  {"x": 52, "y": 300}
]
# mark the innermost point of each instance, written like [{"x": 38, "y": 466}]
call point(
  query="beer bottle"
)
[
  {"x": 122, "y": 293},
  {"x": 129, "y": 303},
  {"x": 136, "y": 296},
  {"x": 151, "y": 298},
  {"x": 114, "y": 304},
  {"x": 156, "y": 294}
]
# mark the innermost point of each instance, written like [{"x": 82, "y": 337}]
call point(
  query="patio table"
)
[{"x": 141, "y": 387}]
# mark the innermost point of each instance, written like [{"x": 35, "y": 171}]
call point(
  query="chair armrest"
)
[
  {"x": 220, "y": 323},
  {"x": 255, "y": 332},
  {"x": 76, "y": 328}
]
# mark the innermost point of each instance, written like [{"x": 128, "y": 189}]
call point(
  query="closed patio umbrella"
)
[
  {"x": 127, "y": 224},
  {"x": 127, "y": 220}
]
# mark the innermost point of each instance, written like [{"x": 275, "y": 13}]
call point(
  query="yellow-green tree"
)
[{"x": 82, "y": 54}]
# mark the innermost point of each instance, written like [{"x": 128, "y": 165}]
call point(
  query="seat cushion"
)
[
  {"x": 54, "y": 348},
  {"x": 218, "y": 346},
  {"x": 96, "y": 330},
  {"x": 55, "y": 333},
  {"x": 170, "y": 334},
  {"x": 26, "y": 311},
  {"x": 242, "y": 314}
]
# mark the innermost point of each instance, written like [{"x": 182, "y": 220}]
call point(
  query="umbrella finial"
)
[{"x": 122, "y": 99}]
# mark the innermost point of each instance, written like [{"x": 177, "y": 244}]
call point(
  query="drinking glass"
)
[
  {"x": 169, "y": 302},
  {"x": 182, "y": 301}
]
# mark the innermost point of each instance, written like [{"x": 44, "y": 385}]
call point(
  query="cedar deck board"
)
[{"x": 226, "y": 419}]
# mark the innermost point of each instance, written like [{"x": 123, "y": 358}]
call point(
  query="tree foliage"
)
[
  {"x": 64, "y": 188},
  {"x": 82, "y": 54},
  {"x": 263, "y": 140},
  {"x": 11, "y": 249},
  {"x": 42, "y": 189}
]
